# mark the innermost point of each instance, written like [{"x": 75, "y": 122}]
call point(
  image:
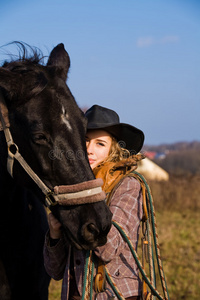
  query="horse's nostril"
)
[
  {"x": 92, "y": 229},
  {"x": 90, "y": 232}
]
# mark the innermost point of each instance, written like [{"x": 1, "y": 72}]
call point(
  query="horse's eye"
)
[{"x": 39, "y": 138}]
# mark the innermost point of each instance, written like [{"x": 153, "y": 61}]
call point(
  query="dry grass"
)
[
  {"x": 179, "y": 233},
  {"x": 177, "y": 205},
  {"x": 55, "y": 290}
]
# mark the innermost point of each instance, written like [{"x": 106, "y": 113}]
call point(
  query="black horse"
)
[{"x": 48, "y": 128}]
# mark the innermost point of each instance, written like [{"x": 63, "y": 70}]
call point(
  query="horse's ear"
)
[{"x": 60, "y": 58}]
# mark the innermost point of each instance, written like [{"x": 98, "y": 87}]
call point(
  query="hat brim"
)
[{"x": 128, "y": 137}]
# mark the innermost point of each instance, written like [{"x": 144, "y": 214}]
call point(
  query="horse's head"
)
[{"x": 49, "y": 130}]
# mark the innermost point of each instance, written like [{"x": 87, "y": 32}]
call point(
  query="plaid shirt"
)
[{"x": 126, "y": 206}]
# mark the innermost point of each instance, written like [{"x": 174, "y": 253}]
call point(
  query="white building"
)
[{"x": 151, "y": 171}]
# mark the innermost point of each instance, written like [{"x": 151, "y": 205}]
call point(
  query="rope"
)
[
  {"x": 142, "y": 271},
  {"x": 87, "y": 280},
  {"x": 155, "y": 236},
  {"x": 91, "y": 279},
  {"x": 113, "y": 285},
  {"x": 151, "y": 258}
]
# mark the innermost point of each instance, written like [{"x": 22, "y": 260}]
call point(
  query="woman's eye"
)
[{"x": 101, "y": 144}]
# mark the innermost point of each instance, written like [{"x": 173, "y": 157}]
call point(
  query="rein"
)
[{"x": 80, "y": 193}]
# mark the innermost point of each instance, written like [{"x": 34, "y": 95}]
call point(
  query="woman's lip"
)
[{"x": 91, "y": 161}]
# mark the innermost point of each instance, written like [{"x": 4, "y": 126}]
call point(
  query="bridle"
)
[{"x": 81, "y": 193}]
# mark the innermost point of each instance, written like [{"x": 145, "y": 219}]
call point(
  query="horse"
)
[{"x": 43, "y": 162}]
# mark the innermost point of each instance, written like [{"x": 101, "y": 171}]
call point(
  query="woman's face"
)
[{"x": 98, "y": 143}]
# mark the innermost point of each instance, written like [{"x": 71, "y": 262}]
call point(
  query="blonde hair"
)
[{"x": 117, "y": 153}]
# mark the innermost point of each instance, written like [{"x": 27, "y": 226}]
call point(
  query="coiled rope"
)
[
  {"x": 152, "y": 219},
  {"x": 151, "y": 282},
  {"x": 88, "y": 276}
]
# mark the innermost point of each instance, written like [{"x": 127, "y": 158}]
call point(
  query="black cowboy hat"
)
[{"x": 128, "y": 136}]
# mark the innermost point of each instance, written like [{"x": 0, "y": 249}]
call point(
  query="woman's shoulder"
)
[
  {"x": 127, "y": 187},
  {"x": 129, "y": 182}
]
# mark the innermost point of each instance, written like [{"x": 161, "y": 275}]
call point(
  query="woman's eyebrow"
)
[{"x": 100, "y": 140}]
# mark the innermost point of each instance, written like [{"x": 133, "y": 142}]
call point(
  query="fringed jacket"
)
[{"x": 126, "y": 207}]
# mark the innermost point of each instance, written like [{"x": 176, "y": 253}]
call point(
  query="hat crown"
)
[{"x": 98, "y": 115}]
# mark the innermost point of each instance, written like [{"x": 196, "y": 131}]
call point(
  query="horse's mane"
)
[
  {"x": 29, "y": 61},
  {"x": 27, "y": 55}
]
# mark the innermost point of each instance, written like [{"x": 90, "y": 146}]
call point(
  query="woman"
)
[{"x": 111, "y": 147}]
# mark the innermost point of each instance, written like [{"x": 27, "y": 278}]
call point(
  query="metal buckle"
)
[
  {"x": 50, "y": 200},
  {"x": 12, "y": 150}
]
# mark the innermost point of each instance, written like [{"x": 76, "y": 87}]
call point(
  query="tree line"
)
[{"x": 180, "y": 158}]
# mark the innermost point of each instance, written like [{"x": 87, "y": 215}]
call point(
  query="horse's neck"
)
[
  {"x": 18, "y": 205},
  {"x": 12, "y": 194},
  {"x": 22, "y": 217},
  {"x": 7, "y": 185},
  {"x": 11, "y": 203}
]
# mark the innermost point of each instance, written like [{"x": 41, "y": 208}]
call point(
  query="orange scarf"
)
[{"x": 113, "y": 172}]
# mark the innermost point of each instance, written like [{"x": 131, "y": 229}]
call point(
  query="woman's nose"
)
[{"x": 89, "y": 147}]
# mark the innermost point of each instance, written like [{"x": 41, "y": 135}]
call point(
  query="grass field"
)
[
  {"x": 179, "y": 239},
  {"x": 180, "y": 250}
]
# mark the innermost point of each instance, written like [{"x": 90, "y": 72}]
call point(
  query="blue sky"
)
[{"x": 140, "y": 58}]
